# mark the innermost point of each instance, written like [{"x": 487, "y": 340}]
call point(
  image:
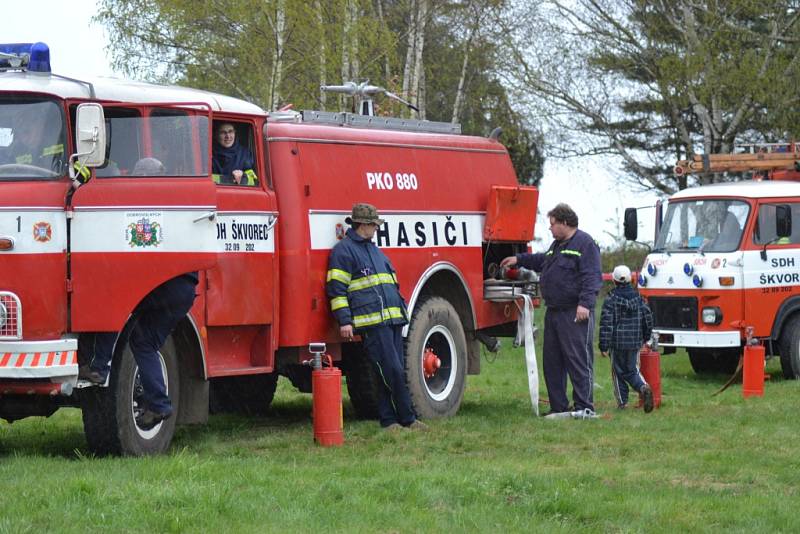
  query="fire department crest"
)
[
  {"x": 340, "y": 231},
  {"x": 42, "y": 232},
  {"x": 144, "y": 233}
]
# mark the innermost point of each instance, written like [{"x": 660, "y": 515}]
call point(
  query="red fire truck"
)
[
  {"x": 76, "y": 259},
  {"x": 726, "y": 261}
]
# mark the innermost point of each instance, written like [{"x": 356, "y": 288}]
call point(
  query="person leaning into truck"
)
[
  {"x": 365, "y": 299},
  {"x": 570, "y": 280},
  {"x": 153, "y": 320},
  {"x": 625, "y": 325},
  {"x": 231, "y": 163}
]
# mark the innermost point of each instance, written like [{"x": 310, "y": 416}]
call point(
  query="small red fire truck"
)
[
  {"x": 726, "y": 261},
  {"x": 76, "y": 256}
]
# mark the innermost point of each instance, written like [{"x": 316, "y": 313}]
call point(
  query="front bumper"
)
[
  {"x": 54, "y": 361},
  {"x": 695, "y": 339}
]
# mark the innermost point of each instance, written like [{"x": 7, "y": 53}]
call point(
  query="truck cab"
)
[{"x": 724, "y": 268}]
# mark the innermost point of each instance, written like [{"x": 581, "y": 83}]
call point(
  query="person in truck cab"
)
[
  {"x": 31, "y": 145},
  {"x": 570, "y": 280},
  {"x": 365, "y": 299},
  {"x": 231, "y": 163}
]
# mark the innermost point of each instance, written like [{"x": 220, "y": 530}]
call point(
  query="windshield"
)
[
  {"x": 32, "y": 139},
  {"x": 703, "y": 225}
]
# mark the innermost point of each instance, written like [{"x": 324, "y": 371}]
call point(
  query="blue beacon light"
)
[
  {"x": 688, "y": 269},
  {"x": 651, "y": 269},
  {"x": 40, "y": 58}
]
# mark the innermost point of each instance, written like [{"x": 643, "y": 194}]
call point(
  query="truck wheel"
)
[
  {"x": 789, "y": 346},
  {"x": 245, "y": 395},
  {"x": 362, "y": 382},
  {"x": 436, "y": 330},
  {"x": 109, "y": 414},
  {"x": 716, "y": 360}
]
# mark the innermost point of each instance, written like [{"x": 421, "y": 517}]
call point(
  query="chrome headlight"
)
[
  {"x": 712, "y": 315},
  {"x": 3, "y": 315}
]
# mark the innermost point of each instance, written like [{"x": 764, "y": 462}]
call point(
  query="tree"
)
[
  {"x": 442, "y": 54},
  {"x": 652, "y": 81}
]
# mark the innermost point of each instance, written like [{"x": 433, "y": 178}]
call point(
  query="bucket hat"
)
[{"x": 364, "y": 214}]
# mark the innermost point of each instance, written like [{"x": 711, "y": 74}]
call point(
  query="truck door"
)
[
  {"x": 147, "y": 215},
  {"x": 240, "y": 295},
  {"x": 769, "y": 282}
]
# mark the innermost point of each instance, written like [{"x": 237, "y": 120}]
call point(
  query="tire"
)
[
  {"x": 714, "y": 361},
  {"x": 363, "y": 383},
  {"x": 789, "y": 347},
  {"x": 436, "y": 325},
  {"x": 244, "y": 395},
  {"x": 109, "y": 414}
]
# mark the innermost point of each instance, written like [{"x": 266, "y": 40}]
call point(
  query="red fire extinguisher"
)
[
  {"x": 326, "y": 394},
  {"x": 753, "y": 367},
  {"x": 650, "y": 366}
]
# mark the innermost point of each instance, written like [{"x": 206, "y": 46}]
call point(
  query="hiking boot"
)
[
  {"x": 647, "y": 398},
  {"x": 419, "y": 426},
  {"x": 622, "y": 406},
  {"x": 90, "y": 375},
  {"x": 393, "y": 428},
  {"x": 149, "y": 419},
  {"x": 586, "y": 413}
]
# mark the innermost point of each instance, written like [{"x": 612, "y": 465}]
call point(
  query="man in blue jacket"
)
[
  {"x": 570, "y": 280},
  {"x": 365, "y": 299},
  {"x": 231, "y": 163}
]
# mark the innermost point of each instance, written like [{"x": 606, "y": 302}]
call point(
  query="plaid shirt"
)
[{"x": 626, "y": 321}]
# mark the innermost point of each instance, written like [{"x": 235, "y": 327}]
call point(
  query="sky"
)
[{"x": 77, "y": 47}]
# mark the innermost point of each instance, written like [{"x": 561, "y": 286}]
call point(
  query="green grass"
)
[{"x": 700, "y": 463}]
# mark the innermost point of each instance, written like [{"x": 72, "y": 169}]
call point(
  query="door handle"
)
[{"x": 211, "y": 215}]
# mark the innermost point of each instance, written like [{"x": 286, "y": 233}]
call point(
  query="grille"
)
[
  {"x": 10, "y": 316},
  {"x": 679, "y": 313}
]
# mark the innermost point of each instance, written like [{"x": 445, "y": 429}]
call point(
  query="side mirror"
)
[
  {"x": 631, "y": 224},
  {"x": 783, "y": 220},
  {"x": 90, "y": 135}
]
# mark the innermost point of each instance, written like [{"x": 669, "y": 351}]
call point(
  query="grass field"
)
[{"x": 700, "y": 463}]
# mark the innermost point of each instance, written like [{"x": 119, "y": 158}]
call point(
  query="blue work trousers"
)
[
  {"x": 153, "y": 321},
  {"x": 568, "y": 351},
  {"x": 384, "y": 345},
  {"x": 624, "y": 371}
]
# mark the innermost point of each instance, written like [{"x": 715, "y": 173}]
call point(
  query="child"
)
[{"x": 625, "y": 325}]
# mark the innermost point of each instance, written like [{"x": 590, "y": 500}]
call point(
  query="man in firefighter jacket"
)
[
  {"x": 365, "y": 299},
  {"x": 570, "y": 280}
]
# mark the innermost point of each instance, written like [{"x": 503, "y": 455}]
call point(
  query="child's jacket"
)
[{"x": 626, "y": 321}]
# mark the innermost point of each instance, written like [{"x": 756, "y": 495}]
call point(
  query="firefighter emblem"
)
[
  {"x": 144, "y": 233},
  {"x": 42, "y": 232},
  {"x": 340, "y": 231}
]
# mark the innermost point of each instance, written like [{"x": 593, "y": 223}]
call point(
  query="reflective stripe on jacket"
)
[{"x": 362, "y": 285}]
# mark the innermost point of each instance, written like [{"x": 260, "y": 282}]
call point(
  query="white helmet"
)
[{"x": 621, "y": 274}]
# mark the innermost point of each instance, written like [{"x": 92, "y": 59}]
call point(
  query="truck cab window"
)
[
  {"x": 123, "y": 142},
  {"x": 765, "y": 231},
  {"x": 32, "y": 139},
  {"x": 233, "y": 161}
]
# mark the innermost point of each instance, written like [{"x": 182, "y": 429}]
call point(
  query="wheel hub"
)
[{"x": 430, "y": 363}]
